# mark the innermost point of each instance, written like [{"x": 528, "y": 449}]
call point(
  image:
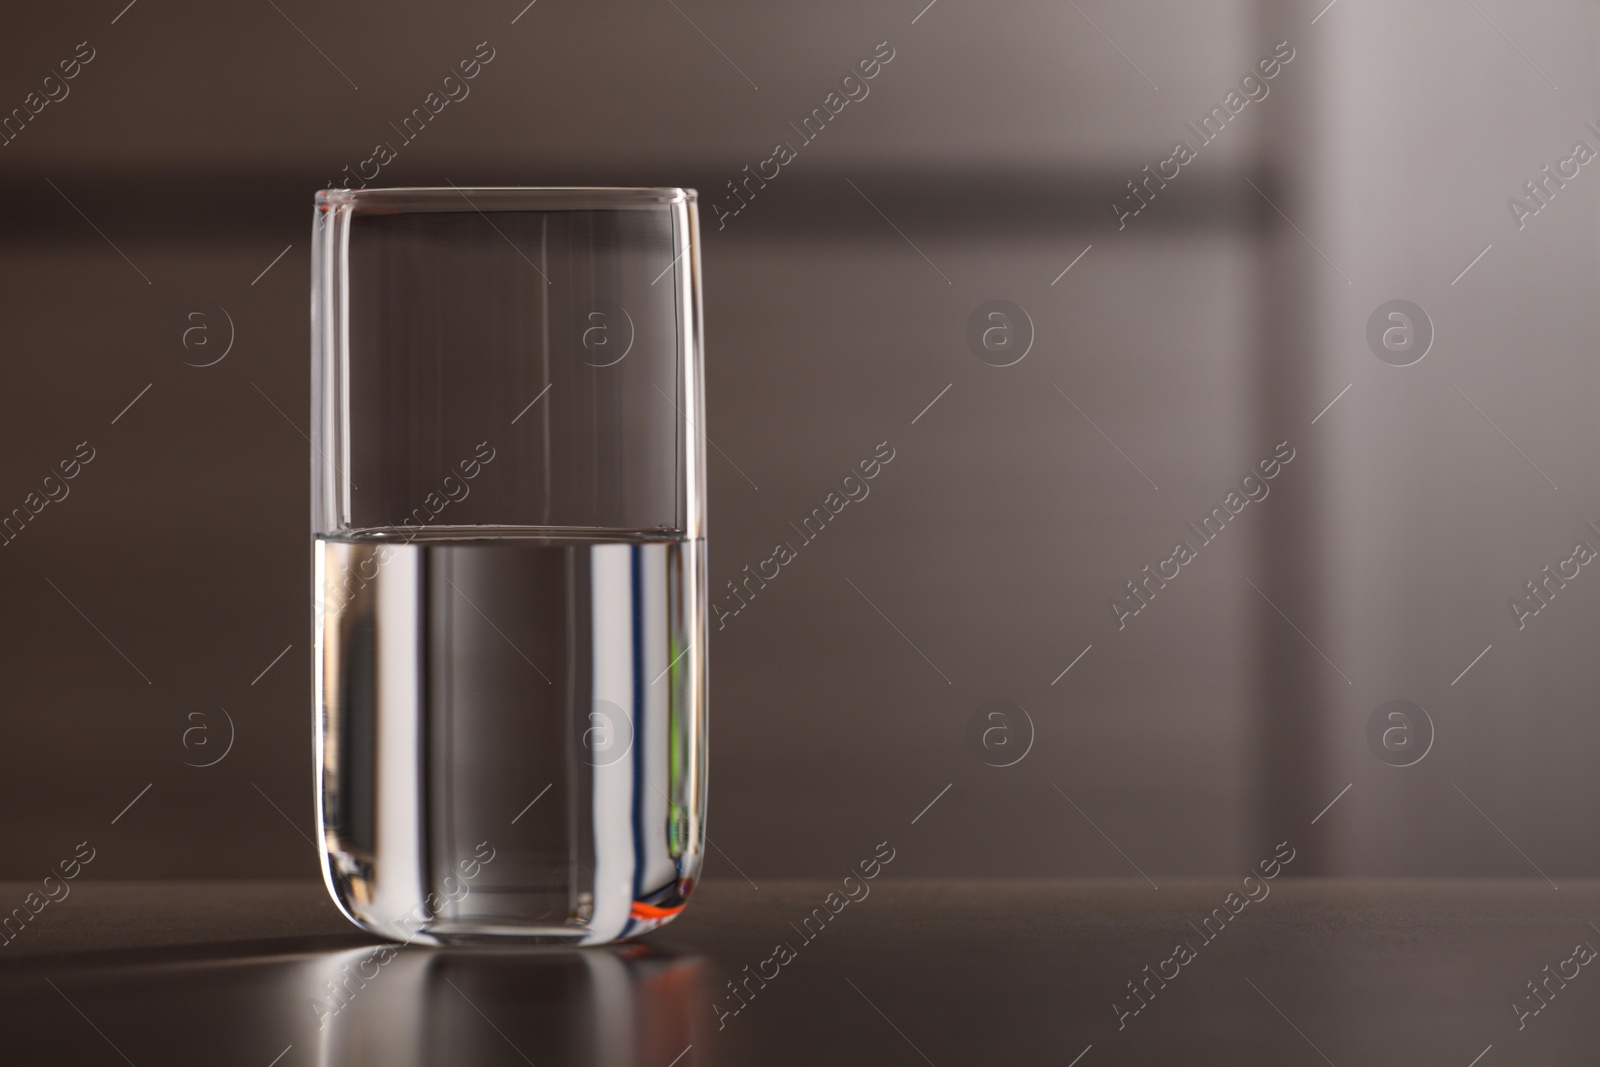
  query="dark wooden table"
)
[{"x": 1407, "y": 973}]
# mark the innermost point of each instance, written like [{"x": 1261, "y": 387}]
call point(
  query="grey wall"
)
[{"x": 1216, "y": 324}]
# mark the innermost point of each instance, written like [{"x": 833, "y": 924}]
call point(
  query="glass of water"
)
[{"x": 508, "y": 506}]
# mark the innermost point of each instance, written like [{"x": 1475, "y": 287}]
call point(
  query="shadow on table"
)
[{"x": 375, "y": 1004}]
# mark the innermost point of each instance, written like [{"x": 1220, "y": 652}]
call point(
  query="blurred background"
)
[{"x": 1171, "y": 351}]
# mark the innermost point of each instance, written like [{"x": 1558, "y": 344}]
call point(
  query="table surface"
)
[{"x": 955, "y": 972}]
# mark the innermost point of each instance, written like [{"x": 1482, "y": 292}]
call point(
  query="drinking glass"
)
[{"x": 508, "y": 508}]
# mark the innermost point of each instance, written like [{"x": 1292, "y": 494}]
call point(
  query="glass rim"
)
[{"x": 451, "y": 198}]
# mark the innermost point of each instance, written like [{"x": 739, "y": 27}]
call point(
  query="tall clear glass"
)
[{"x": 508, "y": 507}]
